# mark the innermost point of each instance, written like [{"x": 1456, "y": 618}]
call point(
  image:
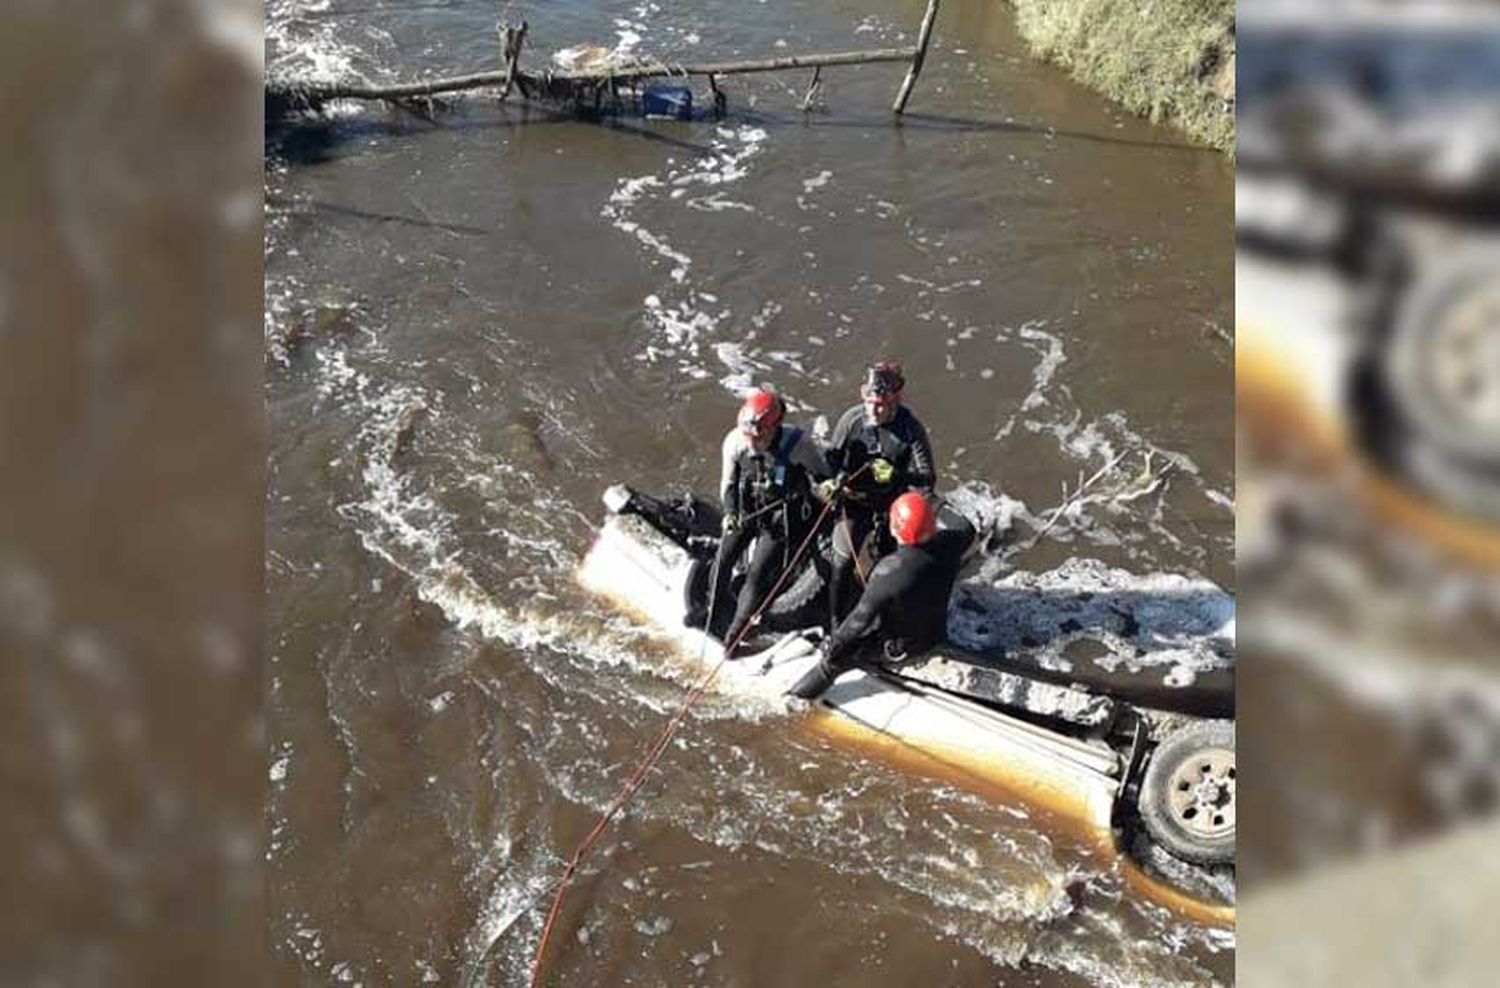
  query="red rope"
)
[{"x": 659, "y": 745}]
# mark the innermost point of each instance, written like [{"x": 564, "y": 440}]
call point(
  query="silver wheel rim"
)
[
  {"x": 1460, "y": 366},
  {"x": 1200, "y": 793}
]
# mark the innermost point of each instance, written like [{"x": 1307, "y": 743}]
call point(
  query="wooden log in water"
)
[
  {"x": 313, "y": 93},
  {"x": 511, "y": 40},
  {"x": 796, "y": 62},
  {"x": 924, "y": 35}
]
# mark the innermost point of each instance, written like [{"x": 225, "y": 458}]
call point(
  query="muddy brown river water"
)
[{"x": 475, "y": 323}]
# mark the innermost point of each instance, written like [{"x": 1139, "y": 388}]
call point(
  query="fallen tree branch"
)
[
  {"x": 312, "y": 93},
  {"x": 919, "y": 55},
  {"x": 1068, "y": 502},
  {"x": 511, "y": 40}
]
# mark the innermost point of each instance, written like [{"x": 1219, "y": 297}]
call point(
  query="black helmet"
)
[{"x": 883, "y": 378}]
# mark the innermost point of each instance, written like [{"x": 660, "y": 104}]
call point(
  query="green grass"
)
[{"x": 1169, "y": 60}]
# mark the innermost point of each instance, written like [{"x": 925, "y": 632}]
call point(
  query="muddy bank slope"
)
[{"x": 1169, "y": 60}]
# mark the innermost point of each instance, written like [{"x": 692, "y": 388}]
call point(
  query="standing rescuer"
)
[
  {"x": 903, "y": 612},
  {"x": 883, "y": 451},
  {"x": 765, "y": 486}
]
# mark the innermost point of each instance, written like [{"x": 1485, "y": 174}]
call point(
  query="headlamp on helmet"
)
[{"x": 882, "y": 380}]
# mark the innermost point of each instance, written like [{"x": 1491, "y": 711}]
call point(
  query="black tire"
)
[
  {"x": 804, "y": 603},
  {"x": 1436, "y": 375},
  {"x": 1424, "y": 393},
  {"x": 1187, "y": 799}
]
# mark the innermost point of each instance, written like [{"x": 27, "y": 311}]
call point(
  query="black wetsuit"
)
[
  {"x": 771, "y": 493},
  {"x": 902, "y": 614},
  {"x": 856, "y": 441}
]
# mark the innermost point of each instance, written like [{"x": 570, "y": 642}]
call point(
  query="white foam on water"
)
[
  {"x": 1181, "y": 625},
  {"x": 299, "y": 48},
  {"x": 402, "y": 519},
  {"x": 716, "y": 203},
  {"x": 277, "y": 318},
  {"x": 627, "y": 38},
  {"x": 305, "y": 940},
  {"x": 864, "y": 827},
  {"x": 675, "y": 312},
  {"x": 811, "y": 185},
  {"x": 631, "y": 190},
  {"x": 682, "y": 325},
  {"x": 631, "y": 31},
  {"x": 519, "y": 892},
  {"x": 1050, "y": 348},
  {"x": 1096, "y": 946},
  {"x": 880, "y": 27},
  {"x": 1120, "y": 497}
]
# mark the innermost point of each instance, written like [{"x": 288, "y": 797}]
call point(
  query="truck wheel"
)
[
  {"x": 1188, "y": 794},
  {"x": 804, "y": 602},
  {"x": 1442, "y": 361}
]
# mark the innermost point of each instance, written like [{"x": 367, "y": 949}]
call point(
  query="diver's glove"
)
[
  {"x": 731, "y": 522},
  {"x": 881, "y": 471},
  {"x": 829, "y": 489}
]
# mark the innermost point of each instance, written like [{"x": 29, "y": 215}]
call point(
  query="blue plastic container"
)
[{"x": 666, "y": 99}]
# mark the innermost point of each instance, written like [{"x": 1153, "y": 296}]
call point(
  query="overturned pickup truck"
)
[{"x": 1153, "y": 760}]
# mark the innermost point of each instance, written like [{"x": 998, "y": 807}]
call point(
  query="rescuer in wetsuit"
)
[
  {"x": 766, "y": 485},
  {"x": 903, "y": 612},
  {"x": 882, "y": 451}
]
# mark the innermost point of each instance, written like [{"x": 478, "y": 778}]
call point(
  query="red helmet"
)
[
  {"x": 761, "y": 413},
  {"x": 913, "y": 519}
]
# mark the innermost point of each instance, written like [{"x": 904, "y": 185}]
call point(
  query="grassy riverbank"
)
[{"x": 1169, "y": 60}]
